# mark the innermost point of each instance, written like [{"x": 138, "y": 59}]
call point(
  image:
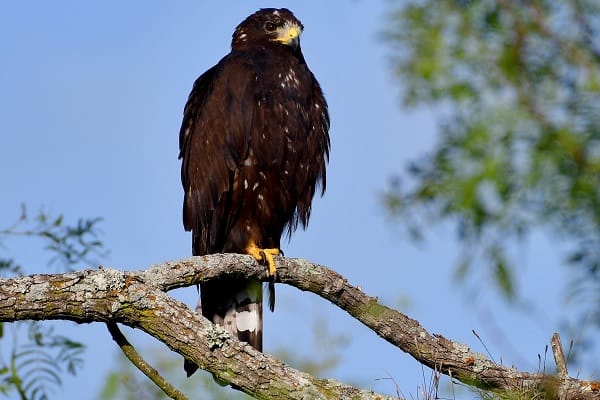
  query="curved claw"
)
[{"x": 265, "y": 256}]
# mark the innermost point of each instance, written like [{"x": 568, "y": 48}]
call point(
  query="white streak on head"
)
[
  {"x": 247, "y": 321},
  {"x": 245, "y": 183}
]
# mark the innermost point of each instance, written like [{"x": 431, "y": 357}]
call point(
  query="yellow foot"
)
[{"x": 263, "y": 255}]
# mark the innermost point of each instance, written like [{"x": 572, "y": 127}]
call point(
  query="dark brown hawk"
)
[{"x": 254, "y": 144}]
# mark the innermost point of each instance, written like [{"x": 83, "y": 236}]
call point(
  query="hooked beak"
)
[{"x": 289, "y": 35}]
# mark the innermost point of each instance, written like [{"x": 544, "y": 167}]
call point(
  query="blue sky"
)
[{"x": 90, "y": 109}]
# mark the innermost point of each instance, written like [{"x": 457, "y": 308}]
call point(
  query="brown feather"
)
[{"x": 254, "y": 144}]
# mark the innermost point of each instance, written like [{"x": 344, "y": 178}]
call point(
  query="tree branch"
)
[
  {"x": 137, "y": 299},
  {"x": 559, "y": 356},
  {"x": 142, "y": 364}
]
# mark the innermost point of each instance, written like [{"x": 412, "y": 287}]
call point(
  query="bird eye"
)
[{"x": 270, "y": 27}]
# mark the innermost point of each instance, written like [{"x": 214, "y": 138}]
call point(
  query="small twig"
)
[
  {"x": 141, "y": 364},
  {"x": 559, "y": 356},
  {"x": 484, "y": 346}
]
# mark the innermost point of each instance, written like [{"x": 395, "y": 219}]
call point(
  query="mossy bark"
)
[{"x": 139, "y": 299}]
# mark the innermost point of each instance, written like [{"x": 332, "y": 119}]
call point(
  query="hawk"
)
[{"x": 254, "y": 145}]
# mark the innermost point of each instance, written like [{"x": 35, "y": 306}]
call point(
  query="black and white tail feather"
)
[{"x": 236, "y": 305}]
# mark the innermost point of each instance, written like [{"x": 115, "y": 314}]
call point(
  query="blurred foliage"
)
[
  {"x": 325, "y": 351},
  {"x": 35, "y": 362},
  {"x": 36, "y": 366},
  {"x": 516, "y": 86},
  {"x": 125, "y": 382},
  {"x": 67, "y": 245}
]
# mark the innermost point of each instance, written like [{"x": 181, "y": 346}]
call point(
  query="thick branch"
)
[{"x": 137, "y": 299}]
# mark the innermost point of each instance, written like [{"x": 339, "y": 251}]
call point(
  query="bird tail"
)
[{"x": 235, "y": 304}]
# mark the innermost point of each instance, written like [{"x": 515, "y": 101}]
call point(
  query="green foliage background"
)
[
  {"x": 516, "y": 88},
  {"x": 33, "y": 364}
]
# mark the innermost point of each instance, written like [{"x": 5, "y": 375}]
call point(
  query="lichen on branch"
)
[{"x": 139, "y": 299}]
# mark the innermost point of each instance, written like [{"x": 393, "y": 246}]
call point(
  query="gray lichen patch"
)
[
  {"x": 216, "y": 337},
  {"x": 462, "y": 348},
  {"x": 108, "y": 279},
  {"x": 477, "y": 361},
  {"x": 38, "y": 292},
  {"x": 307, "y": 268}
]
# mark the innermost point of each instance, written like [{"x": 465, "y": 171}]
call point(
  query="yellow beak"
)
[{"x": 289, "y": 35}]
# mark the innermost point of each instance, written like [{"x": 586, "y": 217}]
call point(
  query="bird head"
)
[{"x": 269, "y": 26}]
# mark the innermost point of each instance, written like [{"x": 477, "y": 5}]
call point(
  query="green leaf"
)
[
  {"x": 504, "y": 277},
  {"x": 58, "y": 221}
]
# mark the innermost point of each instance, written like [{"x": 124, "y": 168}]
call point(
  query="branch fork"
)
[{"x": 139, "y": 299}]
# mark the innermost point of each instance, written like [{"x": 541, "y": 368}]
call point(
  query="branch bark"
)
[{"x": 139, "y": 299}]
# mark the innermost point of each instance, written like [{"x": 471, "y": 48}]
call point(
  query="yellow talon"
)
[{"x": 265, "y": 255}]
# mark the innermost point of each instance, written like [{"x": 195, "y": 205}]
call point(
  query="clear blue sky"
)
[{"x": 91, "y": 96}]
